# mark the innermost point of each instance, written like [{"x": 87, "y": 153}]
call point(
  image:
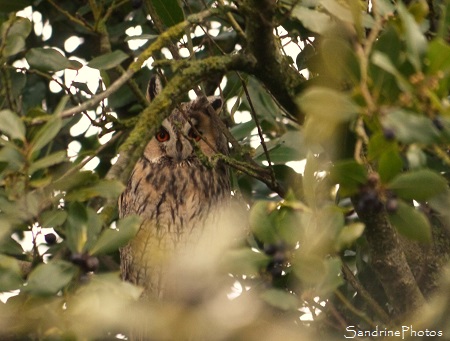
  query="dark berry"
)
[
  {"x": 391, "y": 205},
  {"x": 373, "y": 179},
  {"x": 279, "y": 257},
  {"x": 78, "y": 259},
  {"x": 369, "y": 200},
  {"x": 389, "y": 134},
  {"x": 91, "y": 264},
  {"x": 437, "y": 121},
  {"x": 270, "y": 249},
  {"x": 276, "y": 270},
  {"x": 50, "y": 238}
]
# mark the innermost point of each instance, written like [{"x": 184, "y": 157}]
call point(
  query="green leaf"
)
[
  {"x": 348, "y": 235},
  {"x": 390, "y": 164},
  {"x": 46, "y": 134},
  {"x": 48, "y": 161},
  {"x": 410, "y": 127},
  {"x": 245, "y": 262},
  {"x": 52, "y": 218},
  {"x": 382, "y": 60},
  {"x": 112, "y": 239},
  {"x": 315, "y": 21},
  {"x": 10, "y": 274},
  {"x": 350, "y": 175},
  {"x": 438, "y": 57},
  {"x": 416, "y": 42},
  {"x": 419, "y": 185},
  {"x": 48, "y": 279},
  {"x": 103, "y": 188},
  {"x": 260, "y": 222},
  {"x": 76, "y": 227},
  {"x": 280, "y": 299},
  {"x": 242, "y": 130},
  {"x": 12, "y": 125},
  {"x": 337, "y": 10},
  {"x": 410, "y": 222},
  {"x": 14, "y": 45},
  {"x": 48, "y": 59},
  {"x": 108, "y": 61},
  {"x": 379, "y": 145},
  {"x": 169, "y": 11}
]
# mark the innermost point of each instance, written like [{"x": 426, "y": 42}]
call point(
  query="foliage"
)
[{"x": 357, "y": 91}]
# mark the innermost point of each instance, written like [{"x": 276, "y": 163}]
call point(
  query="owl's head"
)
[{"x": 189, "y": 123}]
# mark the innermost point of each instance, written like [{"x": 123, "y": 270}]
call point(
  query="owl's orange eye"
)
[
  {"x": 193, "y": 135},
  {"x": 162, "y": 135}
]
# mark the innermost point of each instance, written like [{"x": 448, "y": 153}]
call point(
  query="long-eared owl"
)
[{"x": 174, "y": 187}]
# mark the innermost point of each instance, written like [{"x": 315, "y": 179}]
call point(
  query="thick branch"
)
[
  {"x": 390, "y": 264},
  {"x": 272, "y": 68}
]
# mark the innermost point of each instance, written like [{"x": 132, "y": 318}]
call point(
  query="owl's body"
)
[{"x": 173, "y": 191}]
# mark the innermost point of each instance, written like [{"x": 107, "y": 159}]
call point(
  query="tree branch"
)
[
  {"x": 389, "y": 262},
  {"x": 272, "y": 68}
]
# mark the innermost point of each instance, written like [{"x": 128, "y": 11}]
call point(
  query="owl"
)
[{"x": 175, "y": 187}]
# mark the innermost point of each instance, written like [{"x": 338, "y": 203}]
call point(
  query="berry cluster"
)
[
  {"x": 372, "y": 197},
  {"x": 279, "y": 258},
  {"x": 86, "y": 262}
]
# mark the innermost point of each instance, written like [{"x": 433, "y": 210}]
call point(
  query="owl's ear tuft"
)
[{"x": 154, "y": 88}]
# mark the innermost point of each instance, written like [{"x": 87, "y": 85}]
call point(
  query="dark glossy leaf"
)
[
  {"x": 112, "y": 239},
  {"x": 418, "y": 185},
  {"x": 350, "y": 175},
  {"x": 47, "y": 59},
  {"x": 390, "y": 164},
  {"x": 169, "y": 11},
  {"x": 48, "y": 279},
  {"x": 108, "y": 61},
  {"x": 410, "y": 222}
]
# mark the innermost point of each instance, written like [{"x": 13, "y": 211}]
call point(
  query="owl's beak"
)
[{"x": 183, "y": 149}]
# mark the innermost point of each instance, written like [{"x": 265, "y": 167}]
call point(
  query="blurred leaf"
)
[
  {"x": 112, "y": 239},
  {"x": 242, "y": 130},
  {"x": 103, "y": 188},
  {"x": 108, "y": 61},
  {"x": 281, "y": 299},
  {"x": 48, "y": 59},
  {"x": 11, "y": 247},
  {"x": 438, "y": 57},
  {"x": 52, "y": 218},
  {"x": 350, "y": 175},
  {"x": 10, "y": 274},
  {"x": 12, "y": 125},
  {"x": 390, "y": 164},
  {"x": 169, "y": 11},
  {"x": 48, "y": 161},
  {"x": 379, "y": 145},
  {"x": 313, "y": 20},
  {"x": 337, "y": 10},
  {"x": 76, "y": 227},
  {"x": 14, "y": 45},
  {"x": 411, "y": 223},
  {"x": 419, "y": 185},
  {"x": 382, "y": 60},
  {"x": 245, "y": 262},
  {"x": 260, "y": 223},
  {"x": 348, "y": 235},
  {"x": 416, "y": 157},
  {"x": 410, "y": 127},
  {"x": 415, "y": 41},
  {"x": 48, "y": 279},
  {"x": 75, "y": 180},
  {"x": 46, "y": 134}
]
